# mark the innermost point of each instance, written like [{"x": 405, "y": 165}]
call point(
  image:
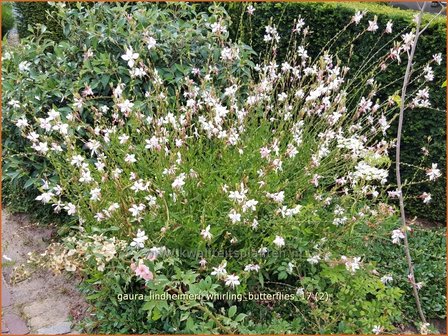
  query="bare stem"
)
[{"x": 397, "y": 167}]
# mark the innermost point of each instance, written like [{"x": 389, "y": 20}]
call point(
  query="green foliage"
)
[
  {"x": 31, "y": 14},
  {"x": 428, "y": 251},
  {"x": 333, "y": 301},
  {"x": 7, "y": 17},
  {"x": 23, "y": 170},
  {"x": 326, "y": 20}
]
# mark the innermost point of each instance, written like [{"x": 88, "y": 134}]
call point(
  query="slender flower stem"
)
[{"x": 397, "y": 166}]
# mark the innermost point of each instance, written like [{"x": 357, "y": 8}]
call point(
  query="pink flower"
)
[
  {"x": 143, "y": 272},
  {"x": 264, "y": 151}
]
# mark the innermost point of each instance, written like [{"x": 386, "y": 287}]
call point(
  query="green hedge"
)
[
  {"x": 325, "y": 21},
  {"x": 32, "y": 13},
  {"x": 7, "y": 18}
]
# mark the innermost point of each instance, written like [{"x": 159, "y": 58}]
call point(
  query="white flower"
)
[
  {"x": 229, "y": 54},
  {"x": 396, "y": 236},
  {"x": 252, "y": 267},
  {"x": 437, "y": 58},
  {"x": 290, "y": 267},
  {"x": 426, "y": 197},
  {"x": 264, "y": 152},
  {"x": 123, "y": 138},
  {"x": 433, "y": 173},
  {"x": 206, "y": 233},
  {"x": 250, "y": 9},
  {"x": 218, "y": 28},
  {"x": 22, "y": 122},
  {"x": 95, "y": 194},
  {"x": 77, "y": 160},
  {"x": 14, "y": 103},
  {"x": 263, "y": 251},
  {"x": 429, "y": 73},
  {"x": 351, "y": 264},
  {"x": 71, "y": 208},
  {"x": 389, "y": 25},
  {"x": 386, "y": 279},
  {"x": 220, "y": 271},
  {"x": 118, "y": 91},
  {"x": 250, "y": 204},
  {"x": 137, "y": 209},
  {"x": 234, "y": 216},
  {"x": 377, "y": 329},
  {"x": 315, "y": 180},
  {"x": 357, "y": 17},
  {"x": 299, "y": 24},
  {"x": 33, "y": 136},
  {"x": 126, "y": 106},
  {"x": 300, "y": 292},
  {"x": 130, "y": 158},
  {"x": 139, "y": 240},
  {"x": 373, "y": 26},
  {"x": 24, "y": 66},
  {"x": 239, "y": 196},
  {"x": 277, "y": 197},
  {"x": 369, "y": 173},
  {"x": 202, "y": 262},
  {"x": 279, "y": 241},
  {"x": 140, "y": 185},
  {"x": 41, "y": 147},
  {"x": 150, "y": 42},
  {"x": 313, "y": 259},
  {"x": 394, "y": 193},
  {"x": 179, "y": 182},
  {"x": 408, "y": 39},
  {"x": 232, "y": 280},
  {"x": 138, "y": 72},
  {"x": 424, "y": 329},
  {"x": 45, "y": 197},
  {"x": 130, "y": 56}
]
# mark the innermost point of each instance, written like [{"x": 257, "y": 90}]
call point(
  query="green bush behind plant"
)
[
  {"x": 328, "y": 19},
  {"x": 7, "y": 18},
  {"x": 32, "y": 13},
  {"x": 428, "y": 254}
]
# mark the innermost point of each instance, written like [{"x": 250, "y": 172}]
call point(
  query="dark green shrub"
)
[
  {"x": 428, "y": 253},
  {"x": 7, "y": 18},
  {"x": 32, "y": 13},
  {"x": 325, "y": 21}
]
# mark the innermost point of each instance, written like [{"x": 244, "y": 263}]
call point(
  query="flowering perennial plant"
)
[{"x": 272, "y": 168}]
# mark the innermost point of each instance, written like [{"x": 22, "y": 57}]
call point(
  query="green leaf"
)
[
  {"x": 232, "y": 311},
  {"x": 397, "y": 99},
  {"x": 190, "y": 324}
]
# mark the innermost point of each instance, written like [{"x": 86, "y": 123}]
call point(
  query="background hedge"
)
[
  {"x": 325, "y": 21},
  {"x": 32, "y": 13},
  {"x": 7, "y": 17}
]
